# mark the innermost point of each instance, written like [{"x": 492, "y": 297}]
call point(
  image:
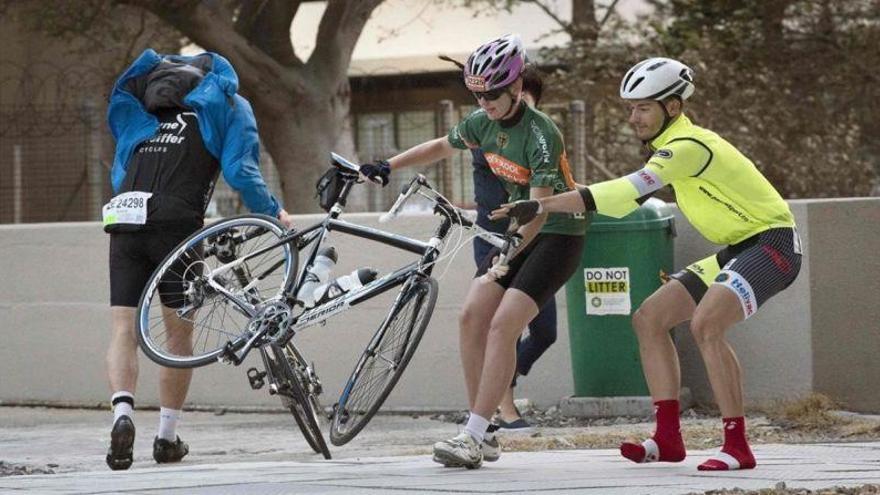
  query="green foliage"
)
[{"x": 790, "y": 82}]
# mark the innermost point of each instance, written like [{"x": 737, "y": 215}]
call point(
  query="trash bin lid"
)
[{"x": 653, "y": 214}]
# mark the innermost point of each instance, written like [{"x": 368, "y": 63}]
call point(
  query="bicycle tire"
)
[
  {"x": 215, "y": 322},
  {"x": 394, "y": 343},
  {"x": 296, "y": 398}
]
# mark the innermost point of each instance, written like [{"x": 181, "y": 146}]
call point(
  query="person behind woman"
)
[
  {"x": 489, "y": 194},
  {"x": 525, "y": 150}
]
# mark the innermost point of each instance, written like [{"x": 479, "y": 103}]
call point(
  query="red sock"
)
[
  {"x": 666, "y": 445},
  {"x": 735, "y": 454}
]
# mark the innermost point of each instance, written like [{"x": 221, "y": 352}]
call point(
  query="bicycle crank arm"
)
[{"x": 230, "y": 355}]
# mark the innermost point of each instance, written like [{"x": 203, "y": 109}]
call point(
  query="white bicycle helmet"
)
[{"x": 656, "y": 79}]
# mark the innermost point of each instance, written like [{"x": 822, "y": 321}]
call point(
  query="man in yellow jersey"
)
[{"x": 730, "y": 203}]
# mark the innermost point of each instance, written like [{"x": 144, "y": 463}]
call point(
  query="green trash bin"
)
[{"x": 621, "y": 266}]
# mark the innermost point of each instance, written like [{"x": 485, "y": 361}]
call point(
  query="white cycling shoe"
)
[
  {"x": 490, "y": 447},
  {"x": 459, "y": 451}
]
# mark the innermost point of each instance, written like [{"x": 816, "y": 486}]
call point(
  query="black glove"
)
[
  {"x": 524, "y": 211},
  {"x": 378, "y": 171}
]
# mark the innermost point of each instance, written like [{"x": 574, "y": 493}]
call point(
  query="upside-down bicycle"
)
[{"x": 233, "y": 286}]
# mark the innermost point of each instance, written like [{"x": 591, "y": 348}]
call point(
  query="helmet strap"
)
[
  {"x": 667, "y": 119},
  {"x": 514, "y": 104}
]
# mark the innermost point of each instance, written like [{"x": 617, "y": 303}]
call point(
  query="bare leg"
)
[
  {"x": 476, "y": 315},
  {"x": 507, "y": 407},
  {"x": 515, "y": 311},
  {"x": 122, "y": 358},
  {"x": 174, "y": 382},
  {"x": 668, "y": 306},
  {"x": 719, "y": 310}
]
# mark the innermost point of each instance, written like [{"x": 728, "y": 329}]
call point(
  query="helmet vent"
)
[
  {"x": 656, "y": 66},
  {"x": 636, "y": 83},
  {"x": 500, "y": 76}
]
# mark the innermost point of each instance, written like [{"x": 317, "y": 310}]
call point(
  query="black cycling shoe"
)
[
  {"x": 165, "y": 451},
  {"x": 119, "y": 455}
]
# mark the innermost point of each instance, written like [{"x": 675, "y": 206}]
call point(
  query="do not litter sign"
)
[{"x": 607, "y": 291}]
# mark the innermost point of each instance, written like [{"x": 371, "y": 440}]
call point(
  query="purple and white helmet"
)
[{"x": 495, "y": 64}]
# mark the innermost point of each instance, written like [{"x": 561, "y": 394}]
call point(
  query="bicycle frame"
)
[{"x": 315, "y": 235}]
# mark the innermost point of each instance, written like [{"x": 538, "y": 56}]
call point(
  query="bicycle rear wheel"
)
[
  {"x": 384, "y": 360},
  {"x": 289, "y": 374},
  {"x": 183, "y": 319}
]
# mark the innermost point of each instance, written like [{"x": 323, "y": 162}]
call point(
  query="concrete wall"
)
[
  {"x": 845, "y": 282},
  {"x": 820, "y": 334}
]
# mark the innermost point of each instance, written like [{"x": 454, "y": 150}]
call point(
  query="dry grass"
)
[
  {"x": 810, "y": 419},
  {"x": 814, "y": 412}
]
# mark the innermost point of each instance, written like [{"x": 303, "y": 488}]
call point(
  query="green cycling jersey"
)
[
  {"x": 526, "y": 151},
  {"x": 717, "y": 188}
]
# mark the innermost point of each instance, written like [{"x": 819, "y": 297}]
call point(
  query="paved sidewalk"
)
[
  {"x": 261, "y": 454},
  {"x": 559, "y": 472}
]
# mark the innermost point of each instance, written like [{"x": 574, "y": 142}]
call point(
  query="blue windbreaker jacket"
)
[{"x": 226, "y": 122}]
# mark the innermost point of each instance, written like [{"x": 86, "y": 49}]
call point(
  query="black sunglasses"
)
[{"x": 490, "y": 95}]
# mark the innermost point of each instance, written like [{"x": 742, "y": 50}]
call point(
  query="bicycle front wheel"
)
[
  {"x": 296, "y": 395},
  {"x": 384, "y": 359},
  {"x": 199, "y": 301}
]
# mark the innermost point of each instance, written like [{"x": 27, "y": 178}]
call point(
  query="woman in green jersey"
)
[{"x": 524, "y": 149}]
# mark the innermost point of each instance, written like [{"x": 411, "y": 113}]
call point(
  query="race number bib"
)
[{"x": 129, "y": 207}]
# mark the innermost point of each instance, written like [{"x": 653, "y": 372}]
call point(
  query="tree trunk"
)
[
  {"x": 301, "y": 106},
  {"x": 300, "y": 138}
]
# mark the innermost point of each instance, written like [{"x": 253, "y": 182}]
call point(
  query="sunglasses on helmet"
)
[{"x": 491, "y": 95}]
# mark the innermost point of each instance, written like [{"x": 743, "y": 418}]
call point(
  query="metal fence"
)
[
  {"x": 384, "y": 134},
  {"x": 55, "y": 160}
]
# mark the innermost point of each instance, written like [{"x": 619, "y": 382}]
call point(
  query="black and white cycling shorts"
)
[
  {"x": 755, "y": 269},
  {"x": 542, "y": 267},
  {"x": 134, "y": 256}
]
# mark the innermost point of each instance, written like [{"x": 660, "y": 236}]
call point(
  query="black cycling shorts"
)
[
  {"x": 542, "y": 268},
  {"x": 755, "y": 269},
  {"x": 134, "y": 256}
]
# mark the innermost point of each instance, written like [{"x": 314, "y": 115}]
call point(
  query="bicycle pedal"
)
[{"x": 256, "y": 378}]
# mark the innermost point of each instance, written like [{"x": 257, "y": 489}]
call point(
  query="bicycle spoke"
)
[
  {"x": 384, "y": 360},
  {"x": 213, "y": 318}
]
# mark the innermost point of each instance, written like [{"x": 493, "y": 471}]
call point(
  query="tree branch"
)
[
  {"x": 608, "y": 13},
  {"x": 566, "y": 26},
  {"x": 266, "y": 24},
  {"x": 211, "y": 28},
  {"x": 338, "y": 32}
]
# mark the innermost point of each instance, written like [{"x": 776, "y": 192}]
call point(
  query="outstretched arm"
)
[
  {"x": 423, "y": 154},
  {"x": 525, "y": 211}
]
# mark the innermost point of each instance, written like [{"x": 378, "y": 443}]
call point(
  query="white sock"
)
[
  {"x": 123, "y": 404},
  {"x": 168, "y": 419},
  {"x": 476, "y": 427}
]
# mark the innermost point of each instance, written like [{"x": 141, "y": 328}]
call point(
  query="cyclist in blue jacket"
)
[{"x": 178, "y": 122}]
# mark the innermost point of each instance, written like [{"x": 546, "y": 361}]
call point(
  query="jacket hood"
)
[{"x": 215, "y": 67}]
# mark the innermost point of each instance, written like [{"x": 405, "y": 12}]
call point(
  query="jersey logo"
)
[
  {"x": 508, "y": 169},
  {"x": 645, "y": 181},
  {"x": 664, "y": 153},
  {"x": 501, "y": 140}
]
